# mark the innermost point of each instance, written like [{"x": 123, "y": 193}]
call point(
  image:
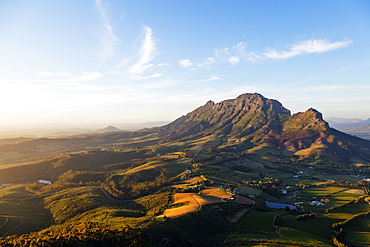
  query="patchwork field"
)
[
  {"x": 192, "y": 180},
  {"x": 192, "y": 202},
  {"x": 168, "y": 168},
  {"x": 258, "y": 226}
]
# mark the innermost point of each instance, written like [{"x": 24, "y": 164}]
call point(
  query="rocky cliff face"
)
[{"x": 236, "y": 118}]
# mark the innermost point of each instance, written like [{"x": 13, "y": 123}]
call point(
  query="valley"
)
[{"x": 202, "y": 180}]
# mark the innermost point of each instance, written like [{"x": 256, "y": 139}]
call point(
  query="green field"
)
[
  {"x": 256, "y": 220},
  {"x": 249, "y": 190},
  {"x": 319, "y": 192},
  {"x": 308, "y": 227},
  {"x": 303, "y": 238},
  {"x": 358, "y": 238},
  {"x": 358, "y": 233}
]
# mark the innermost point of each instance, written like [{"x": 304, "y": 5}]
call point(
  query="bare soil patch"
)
[
  {"x": 355, "y": 191},
  {"x": 244, "y": 200}
]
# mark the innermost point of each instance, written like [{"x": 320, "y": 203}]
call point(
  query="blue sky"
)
[{"x": 108, "y": 61}]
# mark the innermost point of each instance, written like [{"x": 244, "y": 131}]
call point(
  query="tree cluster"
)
[
  {"x": 306, "y": 216},
  {"x": 241, "y": 168},
  {"x": 128, "y": 188}
]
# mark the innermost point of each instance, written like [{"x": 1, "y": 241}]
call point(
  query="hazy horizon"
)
[{"x": 110, "y": 61}]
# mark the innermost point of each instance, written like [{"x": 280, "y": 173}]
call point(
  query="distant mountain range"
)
[{"x": 354, "y": 126}]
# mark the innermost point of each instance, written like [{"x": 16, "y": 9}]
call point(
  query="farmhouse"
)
[{"x": 42, "y": 181}]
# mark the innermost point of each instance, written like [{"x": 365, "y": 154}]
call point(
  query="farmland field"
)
[
  {"x": 249, "y": 190},
  {"x": 192, "y": 180},
  {"x": 302, "y": 237},
  {"x": 319, "y": 192},
  {"x": 168, "y": 168},
  {"x": 306, "y": 226},
  {"x": 355, "y": 191},
  {"x": 358, "y": 233},
  {"x": 256, "y": 220},
  {"x": 192, "y": 202},
  {"x": 216, "y": 192},
  {"x": 358, "y": 238}
]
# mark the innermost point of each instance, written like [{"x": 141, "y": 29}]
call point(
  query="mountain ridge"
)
[{"x": 251, "y": 120}]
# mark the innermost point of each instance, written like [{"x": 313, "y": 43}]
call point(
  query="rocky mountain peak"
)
[{"x": 311, "y": 119}]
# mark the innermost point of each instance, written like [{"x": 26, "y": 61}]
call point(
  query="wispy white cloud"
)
[
  {"x": 186, "y": 63},
  {"x": 147, "y": 53},
  {"x": 235, "y": 54},
  {"x": 108, "y": 39},
  {"x": 207, "y": 62},
  {"x": 306, "y": 47},
  {"x": 234, "y": 60},
  {"x": 238, "y": 53},
  {"x": 163, "y": 64},
  {"x": 211, "y": 78},
  {"x": 228, "y": 55},
  {"x": 214, "y": 78}
]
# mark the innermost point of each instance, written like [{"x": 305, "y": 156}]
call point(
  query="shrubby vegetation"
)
[
  {"x": 77, "y": 234},
  {"x": 127, "y": 187},
  {"x": 306, "y": 216}
]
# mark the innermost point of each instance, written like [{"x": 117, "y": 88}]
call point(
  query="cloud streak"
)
[
  {"x": 108, "y": 39},
  {"x": 306, "y": 47},
  {"x": 147, "y": 53},
  {"x": 211, "y": 78},
  {"x": 238, "y": 53}
]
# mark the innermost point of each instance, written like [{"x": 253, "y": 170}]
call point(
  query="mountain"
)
[
  {"x": 355, "y": 126},
  {"x": 247, "y": 115},
  {"x": 338, "y": 120},
  {"x": 346, "y": 125},
  {"x": 362, "y": 131},
  {"x": 251, "y": 121},
  {"x": 108, "y": 129}
]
